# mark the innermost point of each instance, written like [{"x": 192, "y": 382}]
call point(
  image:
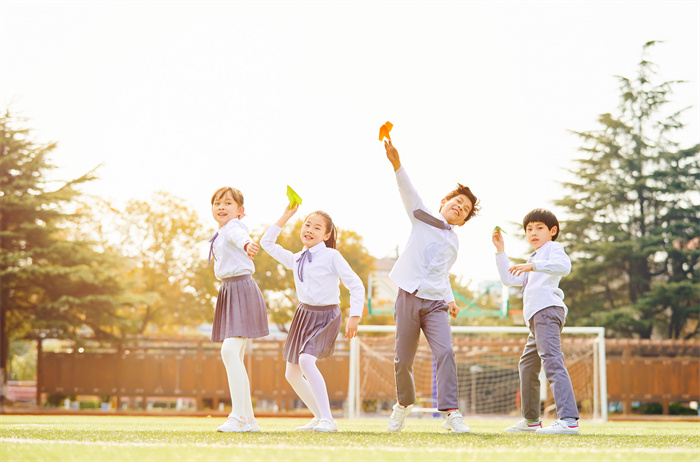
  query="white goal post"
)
[{"x": 372, "y": 372}]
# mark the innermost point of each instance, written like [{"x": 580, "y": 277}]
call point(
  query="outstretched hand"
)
[
  {"x": 252, "y": 249},
  {"x": 517, "y": 270},
  {"x": 286, "y": 215},
  {"x": 392, "y": 154}
]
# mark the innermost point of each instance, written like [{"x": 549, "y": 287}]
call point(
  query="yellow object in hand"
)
[{"x": 294, "y": 198}]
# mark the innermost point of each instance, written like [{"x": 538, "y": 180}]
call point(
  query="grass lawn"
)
[{"x": 137, "y": 438}]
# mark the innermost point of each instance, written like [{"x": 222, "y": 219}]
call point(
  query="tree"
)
[
  {"x": 162, "y": 239},
  {"x": 52, "y": 285},
  {"x": 277, "y": 283},
  {"x": 633, "y": 227}
]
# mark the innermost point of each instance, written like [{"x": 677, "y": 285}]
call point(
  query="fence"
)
[
  {"x": 637, "y": 371},
  {"x": 653, "y": 371},
  {"x": 148, "y": 369}
]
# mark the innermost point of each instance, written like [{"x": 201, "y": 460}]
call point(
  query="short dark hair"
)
[
  {"x": 542, "y": 216},
  {"x": 461, "y": 189}
]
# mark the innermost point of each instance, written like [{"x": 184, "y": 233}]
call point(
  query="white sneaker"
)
[
  {"x": 455, "y": 422},
  {"x": 325, "y": 425},
  {"x": 254, "y": 427},
  {"x": 398, "y": 417},
  {"x": 309, "y": 426},
  {"x": 523, "y": 426},
  {"x": 560, "y": 427},
  {"x": 235, "y": 423}
]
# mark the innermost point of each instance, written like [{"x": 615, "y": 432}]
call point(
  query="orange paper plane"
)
[{"x": 384, "y": 131}]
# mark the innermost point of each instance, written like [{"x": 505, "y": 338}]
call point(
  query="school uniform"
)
[
  {"x": 240, "y": 306},
  {"x": 545, "y": 313},
  {"x": 317, "y": 272},
  {"x": 422, "y": 273}
]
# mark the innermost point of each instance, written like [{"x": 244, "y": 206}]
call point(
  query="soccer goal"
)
[{"x": 487, "y": 370}]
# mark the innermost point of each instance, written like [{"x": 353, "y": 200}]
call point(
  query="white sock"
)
[
  {"x": 570, "y": 420},
  {"x": 296, "y": 379},
  {"x": 316, "y": 383},
  {"x": 232, "y": 351}
]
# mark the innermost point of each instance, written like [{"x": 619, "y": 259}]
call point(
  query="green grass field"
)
[{"x": 137, "y": 438}]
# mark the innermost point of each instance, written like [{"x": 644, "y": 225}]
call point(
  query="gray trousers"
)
[
  {"x": 411, "y": 314},
  {"x": 543, "y": 349}
]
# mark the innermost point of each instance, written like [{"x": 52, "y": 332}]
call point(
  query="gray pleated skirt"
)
[
  {"x": 313, "y": 331},
  {"x": 240, "y": 310}
]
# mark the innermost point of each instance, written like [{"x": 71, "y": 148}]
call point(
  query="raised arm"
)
[
  {"x": 409, "y": 195},
  {"x": 269, "y": 239}
]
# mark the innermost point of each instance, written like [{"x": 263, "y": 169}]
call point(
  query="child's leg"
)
[
  {"x": 529, "y": 368},
  {"x": 407, "y": 320},
  {"x": 248, "y": 405},
  {"x": 314, "y": 378},
  {"x": 436, "y": 327},
  {"x": 232, "y": 351},
  {"x": 296, "y": 379},
  {"x": 548, "y": 325}
]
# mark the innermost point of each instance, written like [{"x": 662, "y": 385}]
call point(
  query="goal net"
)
[{"x": 487, "y": 371}]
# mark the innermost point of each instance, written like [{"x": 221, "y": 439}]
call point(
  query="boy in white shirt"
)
[
  {"x": 545, "y": 314},
  {"x": 422, "y": 273}
]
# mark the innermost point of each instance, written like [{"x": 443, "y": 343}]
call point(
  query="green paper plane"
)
[{"x": 294, "y": 198}]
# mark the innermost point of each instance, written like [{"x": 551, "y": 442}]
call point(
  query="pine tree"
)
[
  {"x": 633, "y": 232},
  {"x": 50, "y": 285}
]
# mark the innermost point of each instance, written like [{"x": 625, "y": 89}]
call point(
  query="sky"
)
[{"x": 186, "y": 97}]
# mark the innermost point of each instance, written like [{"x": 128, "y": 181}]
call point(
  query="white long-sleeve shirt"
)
[
  {"x": 430, "y": 252},
  {"x": 230, "y": 258},
  {"x": 320, "y": 285},
  {"x": 549, "y": 265}
]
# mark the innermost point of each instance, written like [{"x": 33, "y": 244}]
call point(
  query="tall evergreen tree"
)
[
  {"x": 50, "y": 284},
  {"x": 634, "y": 214}
]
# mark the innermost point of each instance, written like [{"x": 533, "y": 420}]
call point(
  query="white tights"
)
[
  {"x": 232, "y": 351},
  {"x": 309, "y": 385}
]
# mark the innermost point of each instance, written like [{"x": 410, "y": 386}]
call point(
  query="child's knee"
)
[
  {"x": 445, "y": 355},
  {"x": 292, "y": 372},
  {"x": 307, "y": 363}
]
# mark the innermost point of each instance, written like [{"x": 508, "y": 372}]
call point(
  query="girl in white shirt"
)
[
  {"x": 317, "y": 319},
  {"x": 240, "y": 307}
]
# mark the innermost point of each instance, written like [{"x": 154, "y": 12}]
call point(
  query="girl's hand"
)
[
  {"x": 392, "y": 154},
  {"x": 288, "y": 213},
  {"x": 351, "y": 327},
  {"x": 251, "y": 249},
  {"x": 517, "y": 270},
  {"x": 454, "y": 309},
  {"x": 497, "y": 239}
]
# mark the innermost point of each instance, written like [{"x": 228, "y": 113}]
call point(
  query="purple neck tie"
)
[
  {"x": 428, "y": 219},
  {"x": 300, "y": 263},
  {"x": 527, "y": 275},
  {"x": 211, "y": 247}
]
